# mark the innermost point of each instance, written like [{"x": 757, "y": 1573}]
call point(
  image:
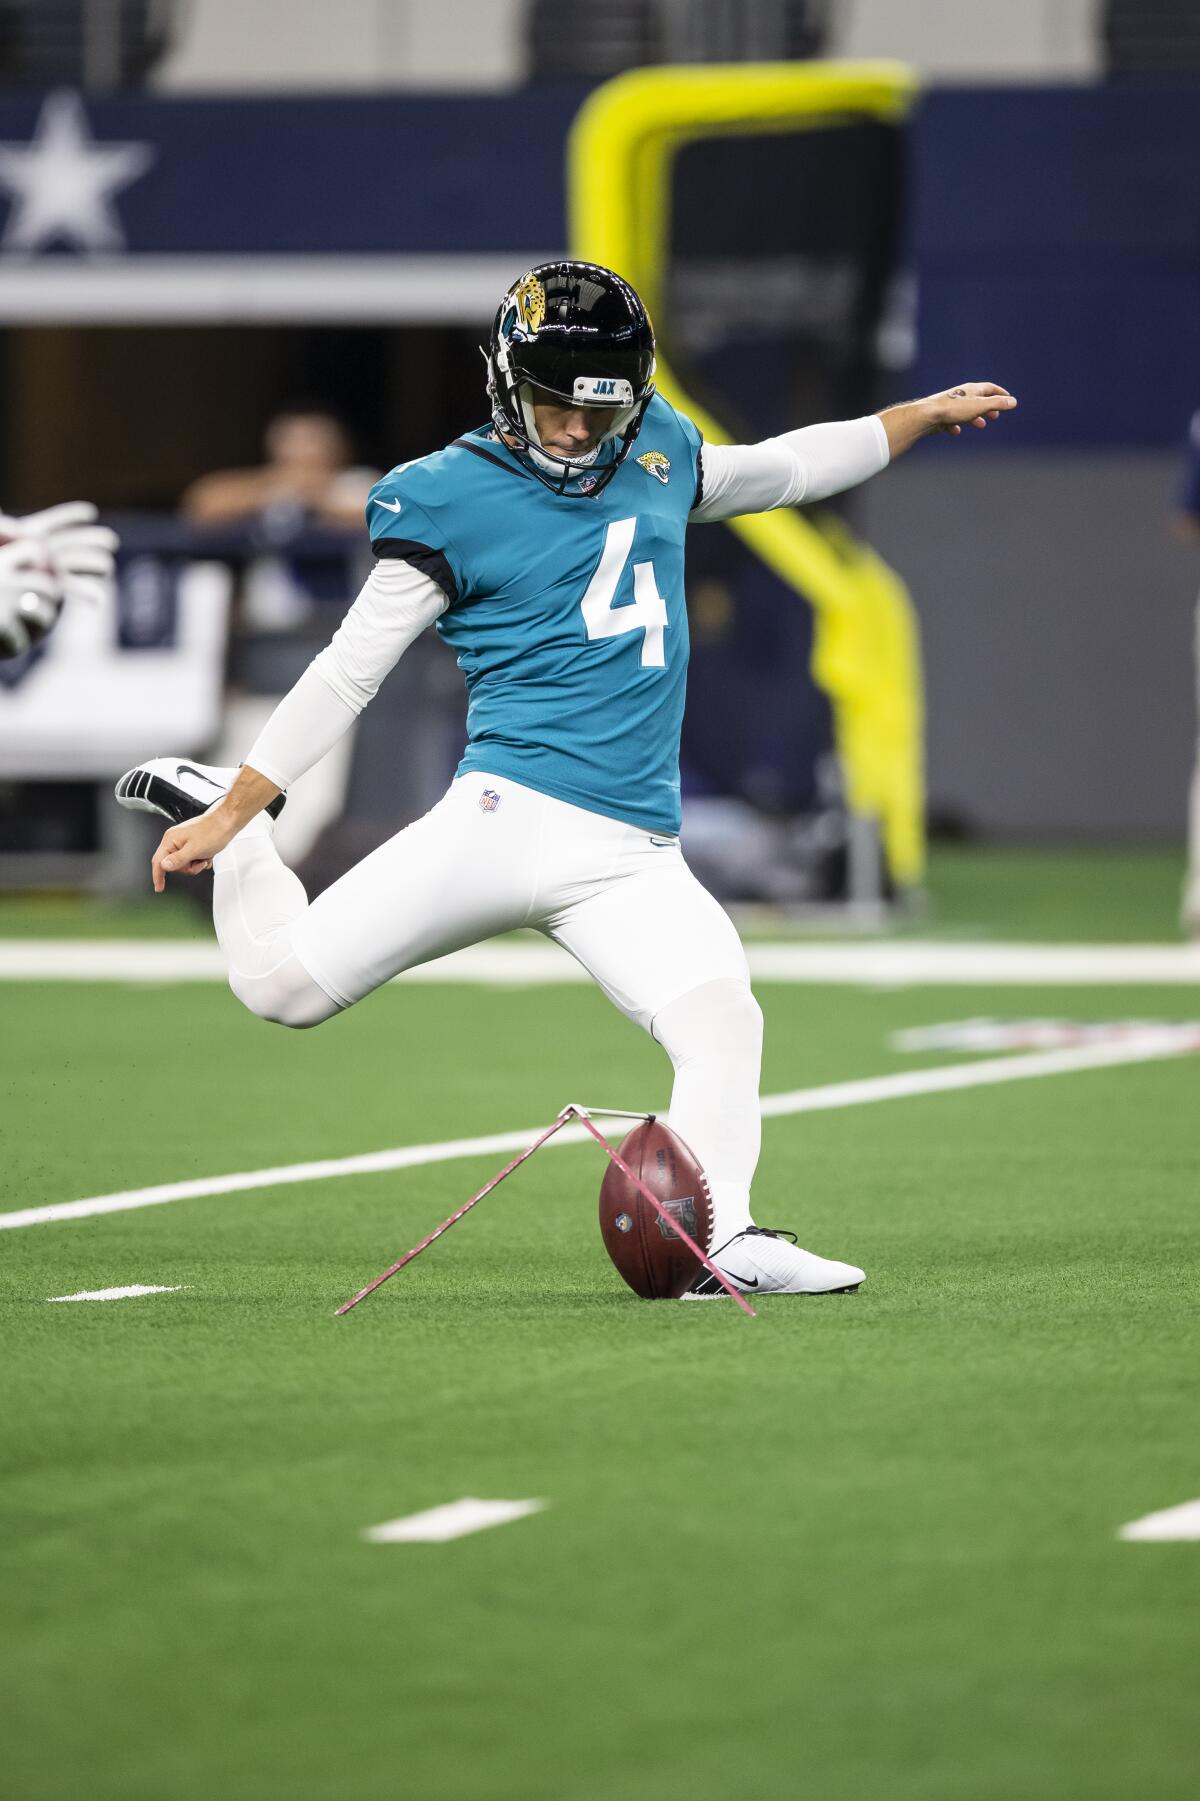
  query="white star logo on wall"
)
[{"x": 62, "y": 182}]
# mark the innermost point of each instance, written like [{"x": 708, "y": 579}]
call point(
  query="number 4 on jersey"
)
[{"x": 648, "y": 611}]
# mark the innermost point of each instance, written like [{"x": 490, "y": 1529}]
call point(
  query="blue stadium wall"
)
[{"x": 1054, "y": 231}]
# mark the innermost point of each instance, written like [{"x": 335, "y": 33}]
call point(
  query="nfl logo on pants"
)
[{"x": 489, "y": 800}]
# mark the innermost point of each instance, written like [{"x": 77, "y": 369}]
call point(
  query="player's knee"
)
[
  {"x": 301, "y": 1011},
  {"x": 287, "y": 996},
  {"x": 720, "y": 1020},
  {"x": 740, "y": 1021}
]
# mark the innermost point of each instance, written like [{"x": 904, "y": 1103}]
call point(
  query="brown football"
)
[{"x": 652, "y": 1258}]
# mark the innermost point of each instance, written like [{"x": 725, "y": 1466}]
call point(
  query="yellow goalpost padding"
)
[{"x": 866, "y": 653}]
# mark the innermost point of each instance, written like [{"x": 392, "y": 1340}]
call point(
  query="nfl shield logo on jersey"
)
[{"x": 489, "y": 800}]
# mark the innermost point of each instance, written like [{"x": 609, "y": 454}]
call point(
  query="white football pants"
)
[{"x": 493, "y": 856}]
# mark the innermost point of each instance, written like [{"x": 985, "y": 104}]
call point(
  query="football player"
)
[
  {"x": 46, "y": 559},
  {"x": 548, "y": 548}
]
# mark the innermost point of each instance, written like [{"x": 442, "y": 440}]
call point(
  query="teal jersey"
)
[{"x": 566, "y": 611}]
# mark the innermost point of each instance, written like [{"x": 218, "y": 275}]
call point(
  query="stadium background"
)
[
  {"x": 354, "y": 261},
  {"x": 214, "y": 211}
]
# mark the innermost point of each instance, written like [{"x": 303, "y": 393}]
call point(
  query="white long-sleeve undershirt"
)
[
  {"x": 397, "y": 602},
  {"x": 394, "y": 606},
  {"x": 809, "y": 464}
]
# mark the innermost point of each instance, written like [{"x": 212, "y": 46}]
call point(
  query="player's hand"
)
[
  {"x": 189, "y": 849},
  {"x": 971, "y": 403},
  {"x": 80, "y": 552}
]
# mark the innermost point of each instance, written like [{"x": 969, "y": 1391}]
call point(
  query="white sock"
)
[
  {"x": 256, "y": 901},
  {"x": 713, "y": 1037}
]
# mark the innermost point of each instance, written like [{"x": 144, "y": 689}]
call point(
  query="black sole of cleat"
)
[
  {"x": 147, "y": 792},
  {"x": 712, "y": 1291}
]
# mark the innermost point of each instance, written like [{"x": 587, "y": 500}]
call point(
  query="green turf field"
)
[{"x": 861, "y": 1547}]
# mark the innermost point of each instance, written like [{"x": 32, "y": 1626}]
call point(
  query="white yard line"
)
[
  {"x": 1150, "y": 1046},
  {"x": 899, "y": 963},
  {"x": 1037, "y": 1034},
  {"x": 1172, "y": 1525},
  {"x": 116, "y": 1294},
  {"x": 367, "y": 1163},
  {"x": 437, "y": 1525},
  {"x": 905, "y": 963}
]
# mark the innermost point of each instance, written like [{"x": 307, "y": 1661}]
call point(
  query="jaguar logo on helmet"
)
[
  {"x": 529, "y": 304},
  {"x": 656, "y": 464}
]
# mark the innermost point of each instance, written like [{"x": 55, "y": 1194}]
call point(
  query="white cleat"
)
[
  {"x": 178, "y": 789},
  {"x": 762, "y": 1262}
]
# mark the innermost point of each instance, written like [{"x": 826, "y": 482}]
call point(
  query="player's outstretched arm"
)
[
  {"x": 818, "y": 461},
  {"x": 973, "y": 403},
  {"x": 808, "y": 464}
]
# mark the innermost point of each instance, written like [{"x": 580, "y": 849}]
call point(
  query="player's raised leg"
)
[
  {"x": 256, "y": 897},
  {"x": 668, "y": 955},
  {"x": 257, "y": 903},
  {"x": 464, "y": 872}
]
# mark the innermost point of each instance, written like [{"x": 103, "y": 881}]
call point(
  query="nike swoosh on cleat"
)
[
  {"x": 393, "y": 506},
  {"x": 187, "y": 769}
]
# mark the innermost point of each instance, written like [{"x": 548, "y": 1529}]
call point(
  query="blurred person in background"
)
[
  {"x": 47, "y": 559},
  {"x": 1187, "y": 527},
  {"x": 307, "y": 476},
  {"x": 307, "y": 482}
]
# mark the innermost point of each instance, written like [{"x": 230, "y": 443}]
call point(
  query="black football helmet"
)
[{"x": 577, "y": 332}]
